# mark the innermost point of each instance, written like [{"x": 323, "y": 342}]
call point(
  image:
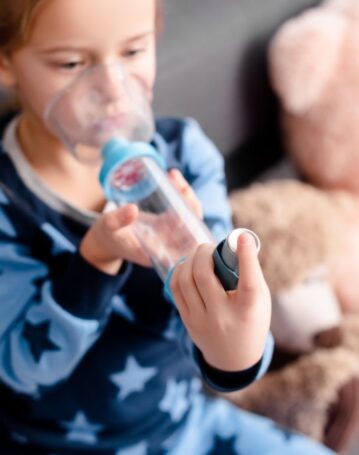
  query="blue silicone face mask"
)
[{"x": 103, "y": 103}]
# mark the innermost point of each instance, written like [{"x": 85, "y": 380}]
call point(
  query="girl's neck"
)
[
  {"x": 42, "y": 150},
  {"x": 57, "y": 167}
]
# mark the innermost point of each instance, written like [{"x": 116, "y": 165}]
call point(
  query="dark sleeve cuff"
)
[
  {"x": 85, "y": 291},
  {"x": 224, "y": 381}
]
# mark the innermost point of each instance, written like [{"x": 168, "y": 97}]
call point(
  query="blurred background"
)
[{"x": 212, "y": 66}]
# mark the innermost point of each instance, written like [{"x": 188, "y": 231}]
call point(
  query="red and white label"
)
[{"x": 128, "y": 174}]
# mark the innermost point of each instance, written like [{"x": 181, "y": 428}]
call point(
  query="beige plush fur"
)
[
  {"x": 314, "y": 69},
  {"x": 301, "y": 394},
  {"x": 299, "y": 227},
  {"x": 288, "y": 216}
]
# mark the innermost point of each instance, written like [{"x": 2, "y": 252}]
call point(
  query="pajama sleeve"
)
[
  {"x": 51, "y": 312},
  {"x": 203, "y": 167}
]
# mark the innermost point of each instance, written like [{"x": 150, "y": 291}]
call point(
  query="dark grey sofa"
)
[{"x": 212, "y": 66}]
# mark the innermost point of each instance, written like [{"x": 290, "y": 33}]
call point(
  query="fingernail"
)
[
  {"x": 175, "y": 173},
  {"x": 246, "y": 239}
]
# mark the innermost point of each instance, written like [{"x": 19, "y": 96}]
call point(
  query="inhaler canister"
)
[{"x": 225, "y": 258}]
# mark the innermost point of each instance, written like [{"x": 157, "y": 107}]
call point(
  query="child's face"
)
[{"x": 69, "y": 36}]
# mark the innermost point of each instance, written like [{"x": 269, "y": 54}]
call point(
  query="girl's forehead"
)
[{"x": 80, "y": 22}]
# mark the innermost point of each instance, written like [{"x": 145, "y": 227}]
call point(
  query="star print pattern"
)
[
  {"x": 82, "y": 430},
  {"x": 5, "y": 220},
  {"x": 175, "y": 401},
  {"x": 224, "y": 446},
  {"x": 14, "y": 206},
  {"x": 174, "y": 327},
  {"x": 6, "y": 226},
  {"x": 138, "y": 449},
  {"x": 92, "y": 377},
  {"x": 119, "y": 305},
  {"x": 3, "y": 199},
  {"x": 60, "y": 242},
  {"x": 133, "y": 378},
  {"x": 37, "y": 335}
]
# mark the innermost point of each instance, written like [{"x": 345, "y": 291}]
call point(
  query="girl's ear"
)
[{"x": 7, "y": 78}]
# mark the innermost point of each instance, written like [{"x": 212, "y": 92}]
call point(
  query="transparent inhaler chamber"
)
[{"x": 105, "y": 116}]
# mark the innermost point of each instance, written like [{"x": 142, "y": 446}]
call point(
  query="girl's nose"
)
[{"x": 113, "y": 84}]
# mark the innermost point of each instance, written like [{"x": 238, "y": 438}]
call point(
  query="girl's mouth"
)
[{"x": 112, "y": 123}]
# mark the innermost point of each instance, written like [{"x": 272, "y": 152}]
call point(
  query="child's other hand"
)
[
  {"x": 111, "y": 240},
  {"x": 184, "y": 188},
  {"x": 230, "y": 328}
]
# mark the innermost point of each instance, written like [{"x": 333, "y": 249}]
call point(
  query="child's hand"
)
[
  {"x": 186, "y": 191},
  {"x": 230, "y": 328},
  {"x": 111, "y": 239}
]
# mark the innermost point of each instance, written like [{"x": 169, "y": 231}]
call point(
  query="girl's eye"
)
[
  {"x": 71, "y": 65},
  {"x": 134, "y": 52},
  {"x": 68, "y": 65}
]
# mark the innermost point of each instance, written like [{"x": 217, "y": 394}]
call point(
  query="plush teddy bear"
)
[
  {"x": 316, "y": 392},
  {"x": 298, "y": 226},
  {"x": 317, "y": 395},
  {"x": 314, "y": 70},
  {"x": 308, "y": 229}
]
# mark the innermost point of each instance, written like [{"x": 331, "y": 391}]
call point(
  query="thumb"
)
[{"x": 120, "y": 217}]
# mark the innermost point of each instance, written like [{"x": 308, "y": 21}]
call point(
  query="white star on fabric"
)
[
  {"x": 195, "y": 387},
  {"x": 173, "y": 328},
  {"x": 3, "y": 198},
  {"x": 139, "y": 449},
  {"x": 6, "y": 225},
  {"x": 81, "y": 430},
  {"x": 133, "y": 378},
  {"x": 62, "y": 243},
  {"x": 119, "y": 305},
  {"x": 175, "y": 400}
]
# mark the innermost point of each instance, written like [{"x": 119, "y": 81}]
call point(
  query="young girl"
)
[{"x": 93, "y": 358}]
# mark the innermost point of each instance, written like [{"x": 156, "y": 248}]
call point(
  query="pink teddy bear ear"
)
[
  {"x": 303, "y": 55},
  {"x": 350, "y": 7}
]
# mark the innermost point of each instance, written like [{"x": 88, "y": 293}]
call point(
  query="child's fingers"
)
[
  {"x": 181, "y": 303},
  {"x": 188, "y": 287},
  {"x": 208, "y": 285},
  {"x": 120, "y": 217},
  {"x": 186, "y": 191},
  {"x": 250, "y": 273}
]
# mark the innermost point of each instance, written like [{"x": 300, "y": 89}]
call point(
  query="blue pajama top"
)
[{"x": 91, "y": 362}]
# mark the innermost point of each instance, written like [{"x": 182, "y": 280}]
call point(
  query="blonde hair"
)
[{"x": 17, "y": 17}]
